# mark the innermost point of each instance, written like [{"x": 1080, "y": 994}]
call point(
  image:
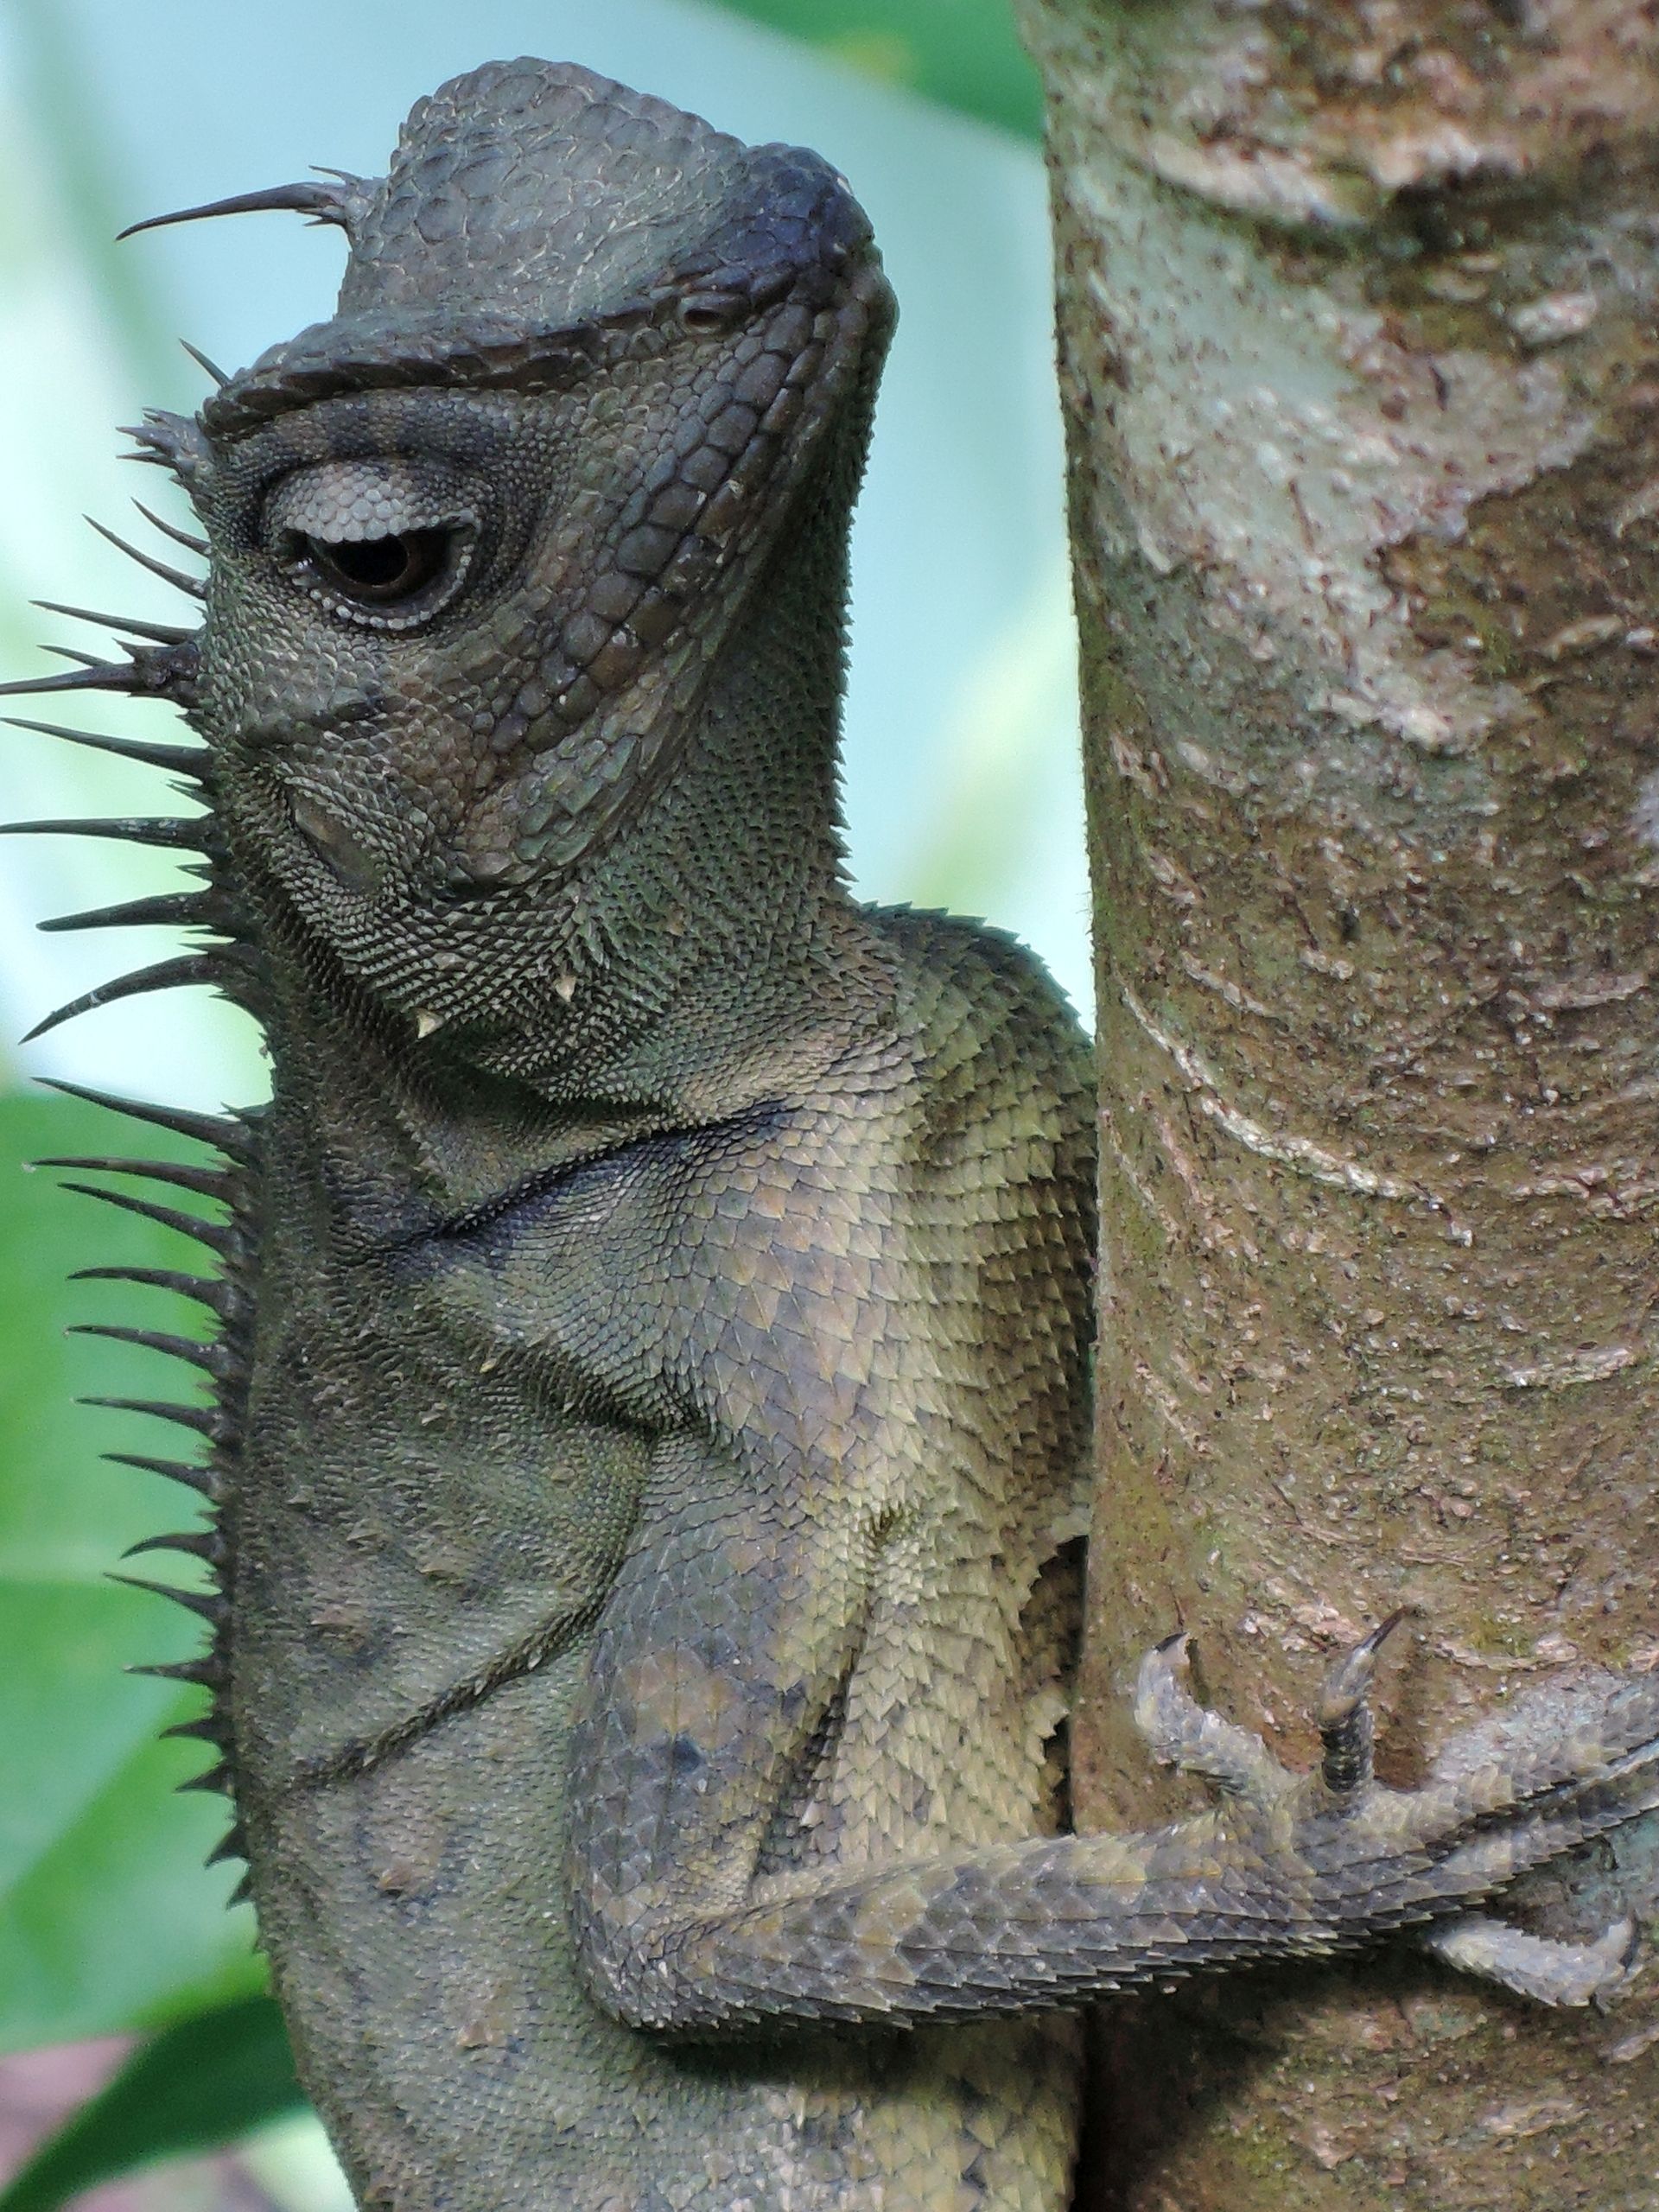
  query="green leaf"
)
[
  {"x": 193, "y": 2087},
  {"x": 962, "y": 52},
  {"x": 108, "y": 1919}
]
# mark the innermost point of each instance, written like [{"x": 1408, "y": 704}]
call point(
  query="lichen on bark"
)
[{"x": 1358, "y": 343}]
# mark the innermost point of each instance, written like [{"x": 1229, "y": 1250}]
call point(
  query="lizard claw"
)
[
  {"x": 1181, "y": 1732},
  {"x": 1347, "y": 1728}
]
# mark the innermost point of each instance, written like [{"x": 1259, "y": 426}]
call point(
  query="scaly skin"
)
[{"x": 657, "y": 1296}]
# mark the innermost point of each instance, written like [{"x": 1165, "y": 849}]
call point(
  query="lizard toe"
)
[
  {"x": 1181, "y": 1732},
  {"x": 1549, "y": 1971},
  {"x": 1347, "y": 1728}
]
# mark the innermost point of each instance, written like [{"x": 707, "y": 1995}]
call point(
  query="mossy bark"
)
[{"x": 1357, "y": 342}]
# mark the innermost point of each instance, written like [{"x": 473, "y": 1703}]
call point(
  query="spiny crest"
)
[
  {"x": 161, "y": 662},
  {"x": 164, "y": 633},
  {"x": 167, "y": 440},
  {"x": 205, "y": 1544},
  {"x": 190, "y": 761},
  {"x": 159, "y": 671},
  {"x": 181, "y": 579},
  {"x": 217, "y": 966},
  {"x": 206, "y": 1673},
  {"x": 187, "y": 1472},
  {"x": 225, "y": 1182},
  {"x": 190, "y": 833},
  {"x": 231, "y": 1134},
  {"x": 202, "y": 1421},
  {"x": 187, "y": 538},
  {"x": 168, "y": 909},
  {"x": 210, "y": 1358},
  {"x": 161, "y": 657},
  {"x": 207, "y": 1605},
  {"x": 207, "y": 1182}
]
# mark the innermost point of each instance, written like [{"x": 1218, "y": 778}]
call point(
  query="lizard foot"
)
[{"x": 1181, "y": 1732}]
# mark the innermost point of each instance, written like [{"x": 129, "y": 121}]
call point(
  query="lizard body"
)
[{"x": 656, "y": 1300}]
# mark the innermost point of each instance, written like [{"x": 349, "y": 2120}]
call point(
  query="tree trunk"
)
[{"x": 1356, "y": 314}]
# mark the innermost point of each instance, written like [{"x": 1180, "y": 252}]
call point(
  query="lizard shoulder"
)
[{"x": 999, "y": 1052}]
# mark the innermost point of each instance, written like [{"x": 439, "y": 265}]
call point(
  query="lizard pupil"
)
[{"x": 377, "y": 571}]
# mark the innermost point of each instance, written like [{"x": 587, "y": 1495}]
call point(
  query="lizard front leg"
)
[{"x": 722, "y": 1649}]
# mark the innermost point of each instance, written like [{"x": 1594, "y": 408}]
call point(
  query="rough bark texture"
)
[{"x": 1357, "y": 340}]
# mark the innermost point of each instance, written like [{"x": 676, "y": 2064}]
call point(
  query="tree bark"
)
[{"x": 1357, "y": 323}]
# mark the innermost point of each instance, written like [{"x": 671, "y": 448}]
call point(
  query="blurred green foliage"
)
[
  {"x": 219, "y": 2073},
  {"x": 962, "y": 52}
]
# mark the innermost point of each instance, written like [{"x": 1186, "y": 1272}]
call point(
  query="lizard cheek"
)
[{"x": 352, "y": 865}]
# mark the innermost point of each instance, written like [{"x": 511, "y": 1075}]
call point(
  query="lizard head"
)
[{"x": 481, "y": 542}]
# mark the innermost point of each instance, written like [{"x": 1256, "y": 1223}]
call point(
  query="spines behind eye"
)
[{"x": 191, "y": 586}]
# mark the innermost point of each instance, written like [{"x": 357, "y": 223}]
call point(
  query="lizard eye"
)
[
  {"x": 378, "y": 571},
  {"x": 393, "y": 582},
  {"x": 702, "y": 313},
  {"x": 385, "y": 542}
]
